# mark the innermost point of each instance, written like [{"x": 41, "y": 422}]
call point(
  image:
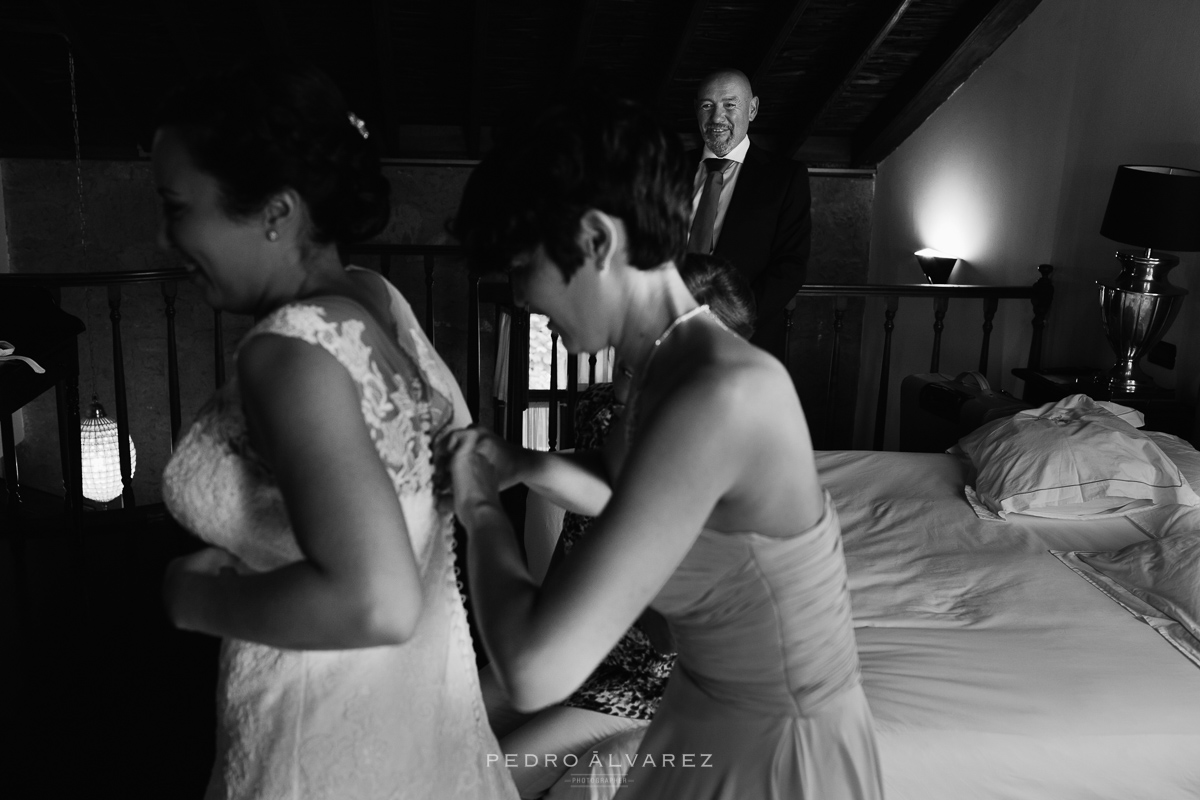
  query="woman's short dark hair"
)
[
  {"x": 595, "y": 152},
  {"x": 714, "y": 280},
  {"x": 259, "y": 129}
]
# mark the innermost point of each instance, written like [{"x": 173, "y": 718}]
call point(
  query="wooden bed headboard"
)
[{"x": 1040, "y": 295}]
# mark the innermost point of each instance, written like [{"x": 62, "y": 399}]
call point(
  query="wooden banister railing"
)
[
  {"x": 113, "y": 282},
  {"x": 387, "y": 256},
  {"x": 1040, "y": 295}
]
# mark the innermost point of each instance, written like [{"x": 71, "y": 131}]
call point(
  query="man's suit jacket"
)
[{"x": 766, "y": 235}]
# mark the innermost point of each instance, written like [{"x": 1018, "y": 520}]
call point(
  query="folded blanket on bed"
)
[{"x": 1157, "y": 581}]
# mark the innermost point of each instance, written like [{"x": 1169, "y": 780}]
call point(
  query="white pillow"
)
[
  {"x": 1158, "y": 581},
  {"x": 1130, "y": 415},
  {"x": 1160, "y": 521},
  {"x": 1070, "y": 456},
  {"x": 1186, "y": 457}
]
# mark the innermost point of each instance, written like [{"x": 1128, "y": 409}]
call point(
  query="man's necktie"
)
[{"x": 700, "y": 240}]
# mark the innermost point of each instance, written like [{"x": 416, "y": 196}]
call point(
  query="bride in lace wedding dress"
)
[{"x": 346, "y": 668}]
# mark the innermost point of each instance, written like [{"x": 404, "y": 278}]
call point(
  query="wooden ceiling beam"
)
[
  {"x": 870, "y": 33},
  {"x": 476, "y": 77},
  {"x": 974, "y": 34},
  {"x": 825, "y": 151},
  {"x": 690, "y": 13},
  {"x": 775, "y": 34},
  {"x": 385, "y": 70},
  {"x": 65, "y": 14}
]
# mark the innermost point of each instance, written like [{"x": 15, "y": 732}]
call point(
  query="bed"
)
[
  {"x": 993, "y": 670},
  {"x": 997, "y": 666}
]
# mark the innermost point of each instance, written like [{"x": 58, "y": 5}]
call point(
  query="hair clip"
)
[{"x": 358, "y": 124}]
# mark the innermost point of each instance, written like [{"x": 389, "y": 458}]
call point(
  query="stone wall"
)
[{"x": 44, "y": 235}]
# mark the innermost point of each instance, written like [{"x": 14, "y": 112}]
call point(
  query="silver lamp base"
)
[{"x": 1137, "y": 309}]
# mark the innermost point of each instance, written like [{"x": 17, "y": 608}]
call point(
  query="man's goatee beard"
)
[{"x": 718, "y": 141}]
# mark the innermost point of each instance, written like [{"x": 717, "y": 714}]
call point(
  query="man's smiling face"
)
[{"x": 725, "y": 107}]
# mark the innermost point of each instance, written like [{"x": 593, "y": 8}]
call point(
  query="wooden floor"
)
[{"x": 101, "y": 697}]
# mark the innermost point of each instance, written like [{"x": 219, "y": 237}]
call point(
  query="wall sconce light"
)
[{"x": 936, "y": 265}]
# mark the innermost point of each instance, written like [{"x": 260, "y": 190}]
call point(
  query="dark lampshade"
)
[
  {"x": 937, "y": 266},
  {"x": 1154, "y": 207}
]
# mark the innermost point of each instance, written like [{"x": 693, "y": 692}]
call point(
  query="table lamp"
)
[{"x": 1149, "y": 207}]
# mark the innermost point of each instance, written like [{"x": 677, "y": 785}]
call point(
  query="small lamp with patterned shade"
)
[{"x": 102, "y": 456}]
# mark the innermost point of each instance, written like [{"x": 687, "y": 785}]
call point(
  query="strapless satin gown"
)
[
  {"x": 378, "y": 723},
  {"x": 765, "y": 700}
]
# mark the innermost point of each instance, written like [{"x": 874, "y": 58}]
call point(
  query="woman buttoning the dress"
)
[
  {"x": 713, "y": 516},
  {"x": 346, "y": 667},
  {"x": 621, "y": 695}
]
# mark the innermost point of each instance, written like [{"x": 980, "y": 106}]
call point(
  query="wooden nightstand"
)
[{"x": 1161, "y": 408}]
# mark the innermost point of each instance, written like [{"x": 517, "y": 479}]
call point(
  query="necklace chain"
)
[
  {"x": 662, "y": 337},
  {"x": 635, "y": 390},
  {"x": 675, "y": 323}
]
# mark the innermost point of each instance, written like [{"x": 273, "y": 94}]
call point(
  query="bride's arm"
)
[
  {"x": 544, "y": 641},
  {"x": 358, "y": 584}
]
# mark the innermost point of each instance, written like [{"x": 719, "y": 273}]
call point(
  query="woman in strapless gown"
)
[
  {"x": 710, "y": 511},
  {"x": 347, "y": 669},
  {"x": 617, "y": 702}
]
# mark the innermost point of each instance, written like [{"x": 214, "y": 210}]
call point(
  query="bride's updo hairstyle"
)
[
  {"x": 715, "y": 281},
  {"x": 594, "y": 152},
  {"x": 259, "y": 129}
]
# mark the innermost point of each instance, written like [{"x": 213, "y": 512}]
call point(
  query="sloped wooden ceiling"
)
[{"x": 840, "y": 82}]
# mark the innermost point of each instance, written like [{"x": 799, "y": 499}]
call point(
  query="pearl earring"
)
[{"x": 272, "y": 235}]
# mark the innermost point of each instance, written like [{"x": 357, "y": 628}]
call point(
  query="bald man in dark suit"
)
[{"x": 749, "y": 205}]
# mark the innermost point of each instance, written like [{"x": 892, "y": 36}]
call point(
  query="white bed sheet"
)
[{"x": 994, "y": 671}]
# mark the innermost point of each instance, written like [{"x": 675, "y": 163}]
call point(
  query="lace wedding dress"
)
[{"x": 382, "y": 722}]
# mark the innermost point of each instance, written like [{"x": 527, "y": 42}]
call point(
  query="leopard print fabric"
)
[{"x": 630, "y": 681}]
